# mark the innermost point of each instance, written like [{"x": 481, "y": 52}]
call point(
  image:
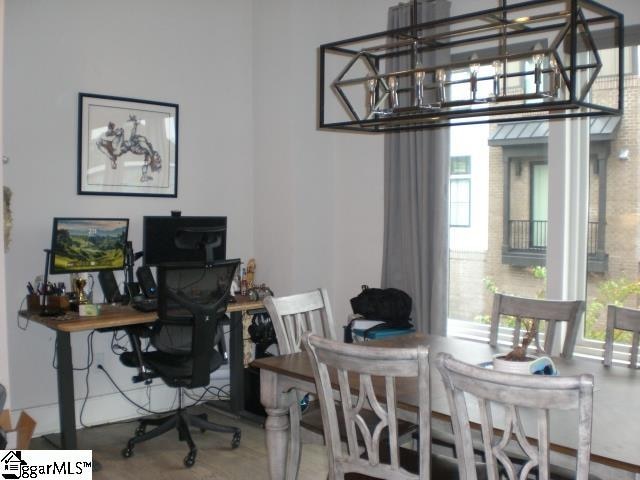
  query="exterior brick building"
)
[{"x": 515, "y": 243}]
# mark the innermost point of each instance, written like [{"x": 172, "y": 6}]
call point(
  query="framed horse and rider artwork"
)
[{"x": 127, "y": 146}]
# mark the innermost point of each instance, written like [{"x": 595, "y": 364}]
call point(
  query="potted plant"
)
[{"x": 518, "y": 360}]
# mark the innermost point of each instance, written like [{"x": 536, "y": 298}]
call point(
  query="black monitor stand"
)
[{"x": 132, "y": 288}]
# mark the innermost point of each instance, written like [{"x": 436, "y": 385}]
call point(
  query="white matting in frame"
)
[{"x": 127, "y": 146}]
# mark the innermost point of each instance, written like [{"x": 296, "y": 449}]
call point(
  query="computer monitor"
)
[
  {"x": 184, "y": 240},
  {"x": 88, "y": 244}
]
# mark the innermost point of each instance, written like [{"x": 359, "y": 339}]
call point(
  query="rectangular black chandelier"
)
[{"x": 540, "y": 58}]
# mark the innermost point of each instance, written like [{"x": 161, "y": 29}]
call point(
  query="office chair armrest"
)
[{"x": 135, "y": 333}]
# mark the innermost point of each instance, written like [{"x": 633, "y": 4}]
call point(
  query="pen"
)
[{"x": 30, "y": 288}]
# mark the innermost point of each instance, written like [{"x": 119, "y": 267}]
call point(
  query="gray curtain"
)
[{"x": 416, "y": 199}]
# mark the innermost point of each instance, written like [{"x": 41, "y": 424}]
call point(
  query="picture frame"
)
[{"x": 127, "y": 146}]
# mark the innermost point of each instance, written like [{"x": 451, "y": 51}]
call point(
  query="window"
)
[
  {"x": 461, "y": 165},
  {"x": 520, "y": 196},
  {"x": 539, "y": 204},
  {"x": 460, "y": 192}
]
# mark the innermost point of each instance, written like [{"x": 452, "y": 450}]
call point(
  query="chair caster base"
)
[
  {"x": 190, "y": 459},
  {"x": 127, "y": 452},
  {"x": 235, "y": 442}
]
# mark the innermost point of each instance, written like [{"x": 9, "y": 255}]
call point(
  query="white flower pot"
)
[{"x": 510, "y": 366}]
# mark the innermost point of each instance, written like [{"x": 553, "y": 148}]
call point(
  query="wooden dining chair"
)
[
  {"x": 292, "y": 316},
  {"x": 622, "y": 318},
  {"x": 480, "y": 388},
  {"x": 365, "y": 375},
  {"x": 295, "y": 314},
  {"x": 551, "y": 312}
]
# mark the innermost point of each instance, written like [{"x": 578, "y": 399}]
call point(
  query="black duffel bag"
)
[{"x": 391, "y": 305}]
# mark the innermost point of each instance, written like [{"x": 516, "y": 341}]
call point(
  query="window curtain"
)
[{"x": 416, "y": 199}]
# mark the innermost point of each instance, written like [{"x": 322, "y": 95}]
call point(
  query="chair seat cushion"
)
[
  {"x": 173, "y": 368},
  {"x": 312, "y": 420},
  {"x": 129, "y": 359}
]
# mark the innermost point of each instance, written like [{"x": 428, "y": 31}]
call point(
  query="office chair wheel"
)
[
  {"x": 204, "y": 417},
  {"x": 190, "y": 459},
  {"x": 235, "y": 442},
  {"x": 127, "y": 452},
  {"x": 141, "y": 430}
]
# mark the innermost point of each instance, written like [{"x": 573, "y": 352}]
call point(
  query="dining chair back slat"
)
[
  {"x": 621, "y": 318},
  {"x": 551, "y": 312},
  {"x": 469, "y": 387},
  {"x": 295, "y": 314}
]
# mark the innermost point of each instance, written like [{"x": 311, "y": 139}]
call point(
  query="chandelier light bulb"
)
[
  {"x": 419, "y": 82},
  {"x": 441, "y": 77},
  {"x": 554, "y": 77},
  {"x": 372, "y": 88},
  {"x": 537, "y": 58},
  {"x": 537, "y": 70},
  {"x": 393, "y": 92}
]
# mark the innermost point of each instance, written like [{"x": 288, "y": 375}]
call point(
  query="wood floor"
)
[{"x": 161, "y": 458}]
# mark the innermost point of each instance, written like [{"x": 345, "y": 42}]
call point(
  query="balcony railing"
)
[{"x": 532, "y": 235}]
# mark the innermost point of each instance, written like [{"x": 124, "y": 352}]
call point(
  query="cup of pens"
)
[
  {"x": 33, "y": 303},
  {"x": 49, "y": 297}
]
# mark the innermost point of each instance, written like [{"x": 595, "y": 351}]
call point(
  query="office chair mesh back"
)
[{"x": 191, "y": 302}]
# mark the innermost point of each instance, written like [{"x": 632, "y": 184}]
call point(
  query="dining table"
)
[{"x": 616, "y": 402}]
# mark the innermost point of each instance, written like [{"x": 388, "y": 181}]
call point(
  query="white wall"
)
[
  {"x": 319, "y": 195},
  {"x": 4, "y": 340},
  {"x": 197, "y": 54}
]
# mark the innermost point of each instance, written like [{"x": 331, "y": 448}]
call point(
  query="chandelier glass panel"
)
[{"x": 539, "y": 59}]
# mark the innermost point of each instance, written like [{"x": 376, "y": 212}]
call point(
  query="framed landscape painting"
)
[{"x": 127, "y": 146}]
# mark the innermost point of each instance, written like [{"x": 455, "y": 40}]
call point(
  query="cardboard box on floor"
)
[{"x": 18, "y": 437}]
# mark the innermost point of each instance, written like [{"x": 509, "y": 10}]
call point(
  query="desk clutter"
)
[
  {"x": 174, "y": 318},
  {"x": 81, "y": 247}
]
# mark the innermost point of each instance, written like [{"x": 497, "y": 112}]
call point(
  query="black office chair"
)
[{"x": 191, "y": 302}]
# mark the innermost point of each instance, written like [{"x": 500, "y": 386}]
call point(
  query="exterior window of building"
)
[
  {"x": 505, "y": 247},
  {"x": 539, "y": 204},
  {"x": 460, "y": 192}
]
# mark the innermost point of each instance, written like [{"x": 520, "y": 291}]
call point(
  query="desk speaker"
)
[{"x": 146, "y": 281}]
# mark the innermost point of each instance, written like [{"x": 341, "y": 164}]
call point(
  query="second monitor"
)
[{"x": 178, "y": 239}]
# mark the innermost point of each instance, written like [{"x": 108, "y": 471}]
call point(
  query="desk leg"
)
[
  {"x": 236, "y": 363},
  {"x": 277, "y": 403},
  {"x": 66, "y": 400}
]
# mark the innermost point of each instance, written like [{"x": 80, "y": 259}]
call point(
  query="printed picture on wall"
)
[{"x": 127, "y": 146}]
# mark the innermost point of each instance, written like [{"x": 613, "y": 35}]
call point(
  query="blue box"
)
[{"x": 378, "y": 333}]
